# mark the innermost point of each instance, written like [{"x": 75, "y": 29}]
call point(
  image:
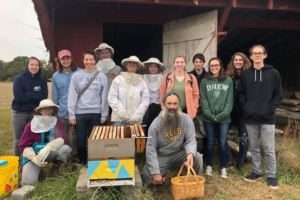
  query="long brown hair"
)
[
  {"x": 60, "y": 68},
  {"x": 222, "y": 75},
  {"x": 231, "y": 70}
]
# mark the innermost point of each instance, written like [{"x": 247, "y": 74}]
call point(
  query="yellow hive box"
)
[
  {"x": 9, "y": 168},
  {"x": 111, "y": 169}
]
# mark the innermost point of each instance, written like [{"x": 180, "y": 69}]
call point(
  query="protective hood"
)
[
  {"x": 132, "y": 77},
  {"x": 105, "y": 65},
  {"x": 27, "y": 72},
  {"x": 41, "y": 124},
  {"x": 266, "y": 67},
  {"x": 153, "y": 81}
]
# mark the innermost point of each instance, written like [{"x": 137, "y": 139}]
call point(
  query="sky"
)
[{"x": 20, "y": 33}]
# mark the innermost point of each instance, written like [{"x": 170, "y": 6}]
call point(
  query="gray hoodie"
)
[{"x": 164, "y": 143}]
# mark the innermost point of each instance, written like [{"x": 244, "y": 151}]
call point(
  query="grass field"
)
[{"x": 234, "y": 187}]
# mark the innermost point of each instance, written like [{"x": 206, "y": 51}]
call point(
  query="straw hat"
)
[
  {"x": 155, "y": 61},
  {"x": 132, "y": 59},
  {"x": 103, "y": 46},
  {"x": 46, "y": 103}
]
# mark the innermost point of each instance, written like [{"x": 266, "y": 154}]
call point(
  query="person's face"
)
[
  {"x": 214, "y": 67},
  {"x": 131, "y": 67},
  {"x": 89, "y": 61},
  {"x": 47, "y": 111},
  {"x": 33, "y": 66},
  {"x": 105, "y": 54},
  {"x": 198, "y": 64},
  {"x": 238, "y": 62},
  {"x": 172, "y": 103},
  {"x": 179, "y": 64},
  {"x": 258, "y": 55},
  {"x": 65, "y": 61},
  {"x": 153, "y": 68}
]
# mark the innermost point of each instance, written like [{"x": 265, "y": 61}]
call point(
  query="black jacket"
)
[
  {"x": 260, "y": 94},
  {"x": 199, "y": 77}
]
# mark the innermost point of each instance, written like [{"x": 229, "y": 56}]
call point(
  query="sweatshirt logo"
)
[
  {"x": 112, "y": 75},
  {"x": 216, "y": 87},
  {"x": 171, "y": 136},
  {"x": 37, "y": 88}
]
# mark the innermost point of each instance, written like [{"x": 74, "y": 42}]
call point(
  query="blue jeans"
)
[
  {"x": 243, "y": 139},
  {"x": 219, "y": 131},
  {"x": 84, "y": 126}
]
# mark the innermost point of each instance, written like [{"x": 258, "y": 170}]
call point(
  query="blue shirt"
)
[{"x": 60, "y": 89}]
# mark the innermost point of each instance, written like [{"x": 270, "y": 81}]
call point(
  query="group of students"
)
[{"x": 85, "y": 98}]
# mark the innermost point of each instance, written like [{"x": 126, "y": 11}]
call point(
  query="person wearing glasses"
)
[
  {"x": 216, "y": 104},
  {"x": 260, "y": 94}
]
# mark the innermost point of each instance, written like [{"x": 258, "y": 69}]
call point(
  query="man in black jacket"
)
[
  {"x": 198, "y": 72},
  {"x": 260, "y": 94}
]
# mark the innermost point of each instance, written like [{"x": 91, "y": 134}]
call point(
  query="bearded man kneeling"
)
[{"x": 172, "y": 142}]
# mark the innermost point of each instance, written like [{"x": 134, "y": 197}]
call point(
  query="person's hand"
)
[
  {"x": 157, "y": 179},
  {"x": 39, "y": 163},
  {"x": 72, "y": 121},
  {"x": 102, "y": 122},
  {"x": 189, "y": 160}
]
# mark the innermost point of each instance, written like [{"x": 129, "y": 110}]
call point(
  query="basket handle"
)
[{"x": 191, "y": 169}]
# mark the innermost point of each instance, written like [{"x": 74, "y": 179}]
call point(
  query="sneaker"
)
[
  {"x": 224, "y": 173},
  {"x": 272, "y": 182},
  {"x": 208, "y": 171},
  {"x": 252, "y": 177}
]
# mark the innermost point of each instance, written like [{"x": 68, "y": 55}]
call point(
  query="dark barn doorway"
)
[{"x": 141, "y": 40}]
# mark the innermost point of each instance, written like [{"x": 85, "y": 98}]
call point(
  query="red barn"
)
[{"x": 165, "y": 28}]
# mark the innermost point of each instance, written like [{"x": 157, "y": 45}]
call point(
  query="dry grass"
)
[{"x": 234, "y": 188}]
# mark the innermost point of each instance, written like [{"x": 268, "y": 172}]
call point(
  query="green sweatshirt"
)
[{"x": 216, "y": 99}]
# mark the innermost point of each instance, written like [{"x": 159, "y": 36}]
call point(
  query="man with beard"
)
[{"x": 172, "y": 142}]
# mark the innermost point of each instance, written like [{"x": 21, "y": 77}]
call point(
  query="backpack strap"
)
[{"x": 167, "y": 79}]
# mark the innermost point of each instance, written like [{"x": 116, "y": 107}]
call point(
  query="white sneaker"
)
[
  {"x": 208, "y": 171},
  {"x": 224, "y": 173}
]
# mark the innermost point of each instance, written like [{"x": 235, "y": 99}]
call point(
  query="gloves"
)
[
  {"x": 29, "y": 153},
  {"x": 134, "y": 119},
  {"x": 51, "y": 146},
  {"x": 39, "y": 163}
]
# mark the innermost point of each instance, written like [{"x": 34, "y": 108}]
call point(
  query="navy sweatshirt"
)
[
  {"x": 260, "y": 94},
  {"x": 29, "y": 91}
]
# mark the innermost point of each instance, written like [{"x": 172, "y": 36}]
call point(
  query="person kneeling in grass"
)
[
  {"x": 44, "y": 140},
  {"x": 172, "y": 142}
]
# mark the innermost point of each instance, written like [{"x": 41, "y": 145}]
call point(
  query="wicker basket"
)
[{"x": 190, "y": 186}]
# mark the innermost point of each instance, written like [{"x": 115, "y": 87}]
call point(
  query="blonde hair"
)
[
  {"x": 231, "y": 70},
  {"x": 180, "y": 56}
]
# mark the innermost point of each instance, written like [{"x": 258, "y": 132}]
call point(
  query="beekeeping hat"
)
[
  {"x": 103, "y": 46},
  {"x": 132, "y": 59},
  {"x": 155, "y": 61},
  {"x": 46, "y": 103}
]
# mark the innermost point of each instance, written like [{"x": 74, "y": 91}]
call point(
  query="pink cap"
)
[{"x": 63, "y": 53}]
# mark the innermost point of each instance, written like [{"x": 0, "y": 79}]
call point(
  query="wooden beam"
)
[
  {"x": 271, "y": 5},
  {"x": 224, "y": 36},
  {"x": 233, "y": 3},
  {"x": 46, "y": 28},
  {"x": 224, "y": 18},
  {"x": 263, "y": 23},
  {"x": 291, "y": 5}
]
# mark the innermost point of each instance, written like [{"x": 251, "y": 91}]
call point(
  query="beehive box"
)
[{"x": 111, "y": 142}]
